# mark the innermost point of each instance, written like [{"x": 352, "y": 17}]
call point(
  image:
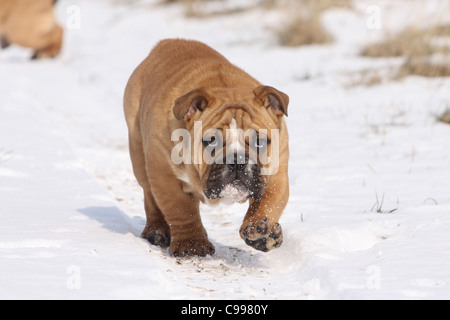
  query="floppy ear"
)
[
  {"x": 272, "y": 98},
  {"x": 186, "y": 106}
]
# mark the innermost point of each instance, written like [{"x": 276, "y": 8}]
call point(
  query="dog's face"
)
[{"x": 235, "y": 134}]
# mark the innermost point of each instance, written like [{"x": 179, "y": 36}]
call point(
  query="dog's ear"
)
[
  {"x": 187, "y": 105},
  {"x": 274, "y": 99}
]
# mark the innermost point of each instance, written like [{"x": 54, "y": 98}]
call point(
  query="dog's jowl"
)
[{"x": 229, "y": 132}]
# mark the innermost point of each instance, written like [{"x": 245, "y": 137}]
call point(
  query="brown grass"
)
[
  {"x": 425, "y": 68},
  {"x": 410, "y": 43},
  {"x": 322, "y": 5},
  {"x": 441, "y": 30},
  {"x": 197, "y": 8},
  {"x": 417, "y": 47},
  {"x": 366, "y": 77},
  {"x": 304, "y": 31},
  {"x": 305, "y": 25}
]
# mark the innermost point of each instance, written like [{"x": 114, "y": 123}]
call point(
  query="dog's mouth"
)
[
  {"x": 235, "y": 191},
  {"x": 228, "y": 183}
]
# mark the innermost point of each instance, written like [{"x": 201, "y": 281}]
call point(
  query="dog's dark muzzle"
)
[{"x": 235, "y": 179}]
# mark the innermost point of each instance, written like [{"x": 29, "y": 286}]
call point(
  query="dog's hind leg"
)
[
  {"x": 157, "y": 230},
  {"x": 54, "y": 48}
]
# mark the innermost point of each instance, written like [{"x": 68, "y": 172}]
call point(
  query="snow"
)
[
  {"x": 232, "y": 192},
  {"x": 369, "y": 214}
]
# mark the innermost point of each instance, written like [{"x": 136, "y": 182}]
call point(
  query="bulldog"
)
[
  {"x": 185, "y": 89},
  {"x": 31, "y": 24}
]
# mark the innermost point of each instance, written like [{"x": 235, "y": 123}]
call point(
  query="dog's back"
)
[
  {"x": 176, "y": 66},
  {"x": 189, "y": 61}
]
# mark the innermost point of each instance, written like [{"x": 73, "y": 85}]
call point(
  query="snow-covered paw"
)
[
  {"x": 262, "y": 236},
  {"x": 191, "y": 247}
]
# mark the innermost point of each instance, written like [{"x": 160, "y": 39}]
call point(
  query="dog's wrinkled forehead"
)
[
  {"x": 230, "y": 118},
  {"x": 236, "y": 118},
  {"x": 233, "y": 103},
  {"x": 259, "y": 108},
  {"x": 233, "y": 95}
]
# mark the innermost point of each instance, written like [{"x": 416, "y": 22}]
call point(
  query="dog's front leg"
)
[
  {"x": 182, "y": 213},
  {"x": 260, "y": 228}
]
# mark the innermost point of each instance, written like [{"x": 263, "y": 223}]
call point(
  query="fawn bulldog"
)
[
  {"x": 31, "y": 24},
  {"x": 201, "y": 129}
]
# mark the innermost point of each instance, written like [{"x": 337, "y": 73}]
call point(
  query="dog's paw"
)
[
  {"x": 262, "y": 236},
  {"x": 191, "y": 247},
  {"x": 44, "y": 54},
  {"x": 158, "y": 237}
]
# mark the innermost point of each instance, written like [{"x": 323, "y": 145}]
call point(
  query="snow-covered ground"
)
[{"x": 71, "y": 211}]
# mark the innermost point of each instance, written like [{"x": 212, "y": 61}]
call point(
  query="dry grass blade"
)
[{"x": 378, "y": 206}]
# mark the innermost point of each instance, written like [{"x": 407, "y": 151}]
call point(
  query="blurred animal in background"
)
[{"x": 31, "y": 24}]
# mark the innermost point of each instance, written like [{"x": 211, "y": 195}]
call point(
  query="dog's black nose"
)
[{"x": 238, "y": 164}]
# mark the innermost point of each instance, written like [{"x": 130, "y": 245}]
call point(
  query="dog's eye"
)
[
  {"x": 211, "y": 142},
  {"x": 261, "y": 143}
]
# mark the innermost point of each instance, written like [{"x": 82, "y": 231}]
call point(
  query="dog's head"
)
[{"x": 234, "y": 138}]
